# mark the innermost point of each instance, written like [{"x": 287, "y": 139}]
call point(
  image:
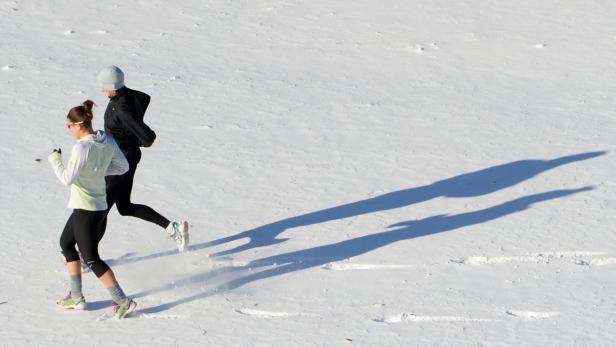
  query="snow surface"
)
[{"x": 454, "y": 158}]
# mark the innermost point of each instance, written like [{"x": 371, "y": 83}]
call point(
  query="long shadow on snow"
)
[
  {"x": 317, "y": 256},
  {"x": 471, "y": 184}
]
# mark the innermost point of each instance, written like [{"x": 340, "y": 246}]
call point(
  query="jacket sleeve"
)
[
  {"x": 119, "y": 164},
  {"x": 143, "y": 99},
  {"x": 136, "y": 126},
  {"x": 68, "y": 174}
]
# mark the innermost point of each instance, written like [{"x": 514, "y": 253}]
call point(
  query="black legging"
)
[
  {"x": 82, "y": 228},
  {"x": 118, "y": 192}
]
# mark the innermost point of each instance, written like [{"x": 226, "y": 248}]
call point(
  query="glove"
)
[{"x": 55, "y": 155}]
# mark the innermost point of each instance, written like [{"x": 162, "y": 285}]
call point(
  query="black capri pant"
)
[{"x": 82, "y": 229}]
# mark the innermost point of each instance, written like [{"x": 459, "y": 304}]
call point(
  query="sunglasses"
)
[{"x": 69, "y": 125}]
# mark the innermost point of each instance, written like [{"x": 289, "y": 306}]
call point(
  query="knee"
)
[
  {"x": 70, "y": 255},
  {"x": 69, "y": 251},
  {"x": 94, "y": 262},
  {"x": 98, "y": 267},
  {"x": 125, "y": 209}
]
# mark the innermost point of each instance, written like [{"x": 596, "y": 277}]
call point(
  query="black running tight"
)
[
  {"x": 118, "y": 192},
  {"x": 82, "y": 229}
]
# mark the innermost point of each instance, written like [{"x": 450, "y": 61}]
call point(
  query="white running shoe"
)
[
  {"x": 179, "y": 233},
  {"x": 121, "y": 311},
  {"x": 70, "y": 303}
]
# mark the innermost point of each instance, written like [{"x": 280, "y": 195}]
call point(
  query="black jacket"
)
[{"x": 124, "y": 121}]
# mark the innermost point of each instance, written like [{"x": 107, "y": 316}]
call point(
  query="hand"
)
[{"x": 55, "y": 155}]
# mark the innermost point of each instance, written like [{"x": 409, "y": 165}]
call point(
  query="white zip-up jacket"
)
[{"x": 92, "y": 158}]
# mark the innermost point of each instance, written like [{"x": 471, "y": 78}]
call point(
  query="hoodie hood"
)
[{"x": 99, "y": 138}]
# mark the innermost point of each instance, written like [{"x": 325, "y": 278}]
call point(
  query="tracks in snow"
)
[
  {"x": 585, "y": 258},
  {"x": 270, "y": 314},
  {"x": 413, "y": 318},
  {"x": 532, "y": 314},
  {"x": 106, "y": 316},
  {"x": 577, "y": 257},
  {"x": 354, "y": 266},
  {"x": 409, "y": 317}
]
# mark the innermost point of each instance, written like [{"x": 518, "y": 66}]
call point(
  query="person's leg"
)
[
  {"x": 119, "y": 189},
  {"x": 115, "y": 291},
  {"x": 75, "y": 298},
  {"x": 86, "y": 236},
  {"x": 67, "y": 240},
  {"x": 87, "y": 227},
  {"x": 127, "y": 208},
  {"x": 178, "y": 231},
  {"x": 103, "y": 227},
  {"x": 114, "y": 185}
]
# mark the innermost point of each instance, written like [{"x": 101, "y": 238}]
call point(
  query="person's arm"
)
[
  {"x": 143, "y": 99},
  {"x": 143, "y": 132},
  {"x": 68, "y": 174},
  {"x": 119, "y": 164}
]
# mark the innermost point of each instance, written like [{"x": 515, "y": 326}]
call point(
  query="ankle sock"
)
[
  {"x": 76, "y": 286},
  {"x": 117, "y": 295}
]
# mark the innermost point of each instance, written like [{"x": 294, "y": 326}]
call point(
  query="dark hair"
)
[{"x": 82, "y": 113}]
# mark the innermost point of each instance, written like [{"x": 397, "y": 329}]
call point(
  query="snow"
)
[{"x": 362, "y": 173}]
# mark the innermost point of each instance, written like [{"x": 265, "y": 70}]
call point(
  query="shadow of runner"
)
[
  {"x": 99, "y": 305},
  {"x": 471, "y": 184},
  {"x": 317, "y": 256}
]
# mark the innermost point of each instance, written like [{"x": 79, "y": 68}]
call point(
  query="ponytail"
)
[{"x": 82, "y": 114}]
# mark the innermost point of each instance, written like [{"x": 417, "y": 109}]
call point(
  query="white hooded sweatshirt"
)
[{"x": 92, "y": 158}]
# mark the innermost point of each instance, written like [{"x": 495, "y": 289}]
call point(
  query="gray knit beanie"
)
[{"x": 111, "y": 78}]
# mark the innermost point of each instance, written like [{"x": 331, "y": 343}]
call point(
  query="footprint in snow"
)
[
  {"x": 532, "y": 314},
  {"x": 159, "y": 316},
  {"x": 352, "y": 266},
  {"x": 537, "y": 258},
  {"x": 595, "y": 262},
  {"x": 410, "y": 317},
  {"x": 269, "y": 314}
]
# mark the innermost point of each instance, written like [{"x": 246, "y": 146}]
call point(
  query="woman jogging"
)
[
  {"x": 94, "y": 155},
  {"x": 124, "y": 121}
]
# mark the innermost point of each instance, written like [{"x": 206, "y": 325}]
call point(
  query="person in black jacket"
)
[{"x": 124, "y": 121}]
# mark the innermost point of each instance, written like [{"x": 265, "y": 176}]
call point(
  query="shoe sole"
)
[
  {"x": 185, "y": 236},
  {"x": 74, "y": 307}
]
